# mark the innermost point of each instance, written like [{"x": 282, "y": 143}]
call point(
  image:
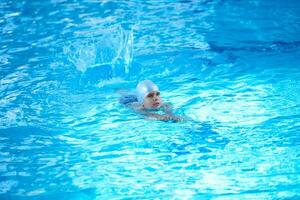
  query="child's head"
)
[{"x": 148, "y": 94}]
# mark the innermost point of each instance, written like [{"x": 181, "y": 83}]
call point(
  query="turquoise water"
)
[{"x": 231, "y": 67}]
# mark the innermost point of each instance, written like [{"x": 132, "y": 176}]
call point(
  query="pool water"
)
[{"x": 231, "y": 68}]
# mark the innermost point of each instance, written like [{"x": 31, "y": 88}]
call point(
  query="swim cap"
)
[{"x": 144, "y": 88}]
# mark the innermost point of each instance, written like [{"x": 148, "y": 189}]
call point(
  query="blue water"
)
[{"x": 231, "y": 67}]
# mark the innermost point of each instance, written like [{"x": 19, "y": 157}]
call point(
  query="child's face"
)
[{"x": 152, "y": 100}]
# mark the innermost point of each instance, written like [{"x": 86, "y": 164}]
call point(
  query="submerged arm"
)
[
  {"x": 162, "y": 117},
  {"x": 168, "y": 117}
]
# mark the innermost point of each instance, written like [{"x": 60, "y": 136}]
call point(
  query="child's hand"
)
[
  {"x": 176, "y": 119},
  {"x": 171, "y": 118},
  {"x": 163, "y": 118}
]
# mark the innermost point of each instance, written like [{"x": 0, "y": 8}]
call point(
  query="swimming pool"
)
[{"x": 231, "y": 67}]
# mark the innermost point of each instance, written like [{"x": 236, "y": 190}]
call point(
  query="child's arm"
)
[
  {"x": 144, "y": 112},
  {"x": 161, "y": 117}
]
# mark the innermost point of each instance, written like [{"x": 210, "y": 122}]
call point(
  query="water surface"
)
[{"x": 231, "y": 67}]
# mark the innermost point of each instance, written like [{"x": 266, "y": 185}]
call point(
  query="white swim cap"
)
[{"x": 144, "y": 88}]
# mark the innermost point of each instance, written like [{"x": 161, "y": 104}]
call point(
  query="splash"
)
[{"x": 113, "y": 47}]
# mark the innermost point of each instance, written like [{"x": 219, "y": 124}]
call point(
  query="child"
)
[{"x": 148, "y": 102}]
